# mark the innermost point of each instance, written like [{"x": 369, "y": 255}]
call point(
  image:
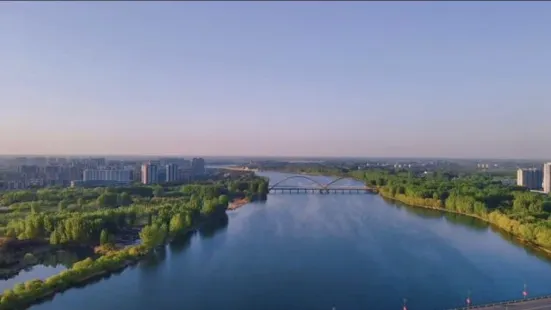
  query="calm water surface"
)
[
  {"x": 322, "y": 251},
  {"x": 48, "y": 264},
  {"x": 35, "y": 272}
]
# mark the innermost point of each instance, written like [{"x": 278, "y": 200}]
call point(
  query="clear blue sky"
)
[{"x": 463, "y": 79}]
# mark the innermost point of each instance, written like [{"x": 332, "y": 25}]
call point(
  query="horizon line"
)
[{"x": 276, "y": 156}]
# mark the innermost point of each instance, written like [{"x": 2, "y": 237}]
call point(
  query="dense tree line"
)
[
  {"x": 514, "y": 209},
  {"x": 116, "y": 209}
]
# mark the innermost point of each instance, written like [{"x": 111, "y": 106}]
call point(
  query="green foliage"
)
[
  {"x": 104, "y": 237},
  {"x": 12, "y": 197},
  {"x": 23, "y": 294},
  {"x": 62, "y": 205},
  {"x": 45, "y": 214},
  {"x": 515, "y": 210},
  {"x": 35, "y": 208},
  {"x": 223, "y": 200},
  {"x": 153, "y": 235},
  {"x": 30, "y": 259},
  {"x": 124, "y": 199},
  {"x": 179, "y": 223},
  {"x": 108, "y": 200},
  {"x": 158, "y": 191},
  {"x": 120, "y": 209}
]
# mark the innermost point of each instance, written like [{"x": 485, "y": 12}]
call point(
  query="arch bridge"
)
[{"x": 317, "y": 187}]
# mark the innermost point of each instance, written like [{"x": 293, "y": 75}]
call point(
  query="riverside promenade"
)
[{"x": 536, "y": 303}]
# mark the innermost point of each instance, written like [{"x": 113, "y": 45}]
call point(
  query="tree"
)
[
  {"x": 158, "y": 191},
  {"x": 209, "y": 206},
  {"x": 80, "y": 202},
  {"x": 8, "y": 297},
  {"x": 253, "y": 187},
  {"x": 153, "y": 235},
  {"x": 107, "y": 200},
  {"x": 56, "y": 237},
  {"x": 178, "y": 223},
  {"x": 223, "y": 200},
  {"x": 232, "y": 187},
  {"x": 263, "y": 187},
  {"x": 62, "y": 205},
  {"x": 104, "y": 237},
  {"x": 35, "y": 208},
  {"x": 125, "y": 199}
]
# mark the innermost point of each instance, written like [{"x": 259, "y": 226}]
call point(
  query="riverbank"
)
[
  {"x": 533, "y": 233},
  {"x": 518, "y": 238},
  {"x": 34, "y": 291},
  {"x": 84, "y": 272},
  {"x": 238, "y": 203}
]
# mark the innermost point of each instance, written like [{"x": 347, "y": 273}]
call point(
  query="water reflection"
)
[
  {"x": 463, "y": 220},
  {"x": 44, "y": 265},
  {"x": 153, "y": 260},
  {"x": 472, "y": 223},
  {"x": 181, "y": 243},
  {"x": 214, "y": 226}
]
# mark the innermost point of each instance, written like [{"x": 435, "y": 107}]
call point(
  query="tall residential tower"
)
[
  {"x": 547, "y": 178},
  {"x": 172, "y": 173},
  {"x": 149, "y": 173}
]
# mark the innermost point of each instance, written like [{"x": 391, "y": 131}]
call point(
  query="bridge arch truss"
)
[{"x": 318, "y": 184}]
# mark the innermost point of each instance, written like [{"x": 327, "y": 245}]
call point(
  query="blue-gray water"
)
[
  {"x": 321, "y": 251},
  {"x": 35, "y": 272}
]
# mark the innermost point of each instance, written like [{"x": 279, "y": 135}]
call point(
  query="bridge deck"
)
[
  {"x": 327, "y": 188},
  {"x": 538, "y": 303}
]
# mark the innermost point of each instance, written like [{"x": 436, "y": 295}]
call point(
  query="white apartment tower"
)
[
  {"x": 547, "y": 178},
  {"x": 149, "y": 173}
]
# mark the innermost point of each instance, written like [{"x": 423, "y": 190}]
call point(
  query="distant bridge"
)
[{"x": 317, "y": 187}]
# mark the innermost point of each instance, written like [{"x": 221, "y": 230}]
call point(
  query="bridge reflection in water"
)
[{"x": 317, "y": 187}]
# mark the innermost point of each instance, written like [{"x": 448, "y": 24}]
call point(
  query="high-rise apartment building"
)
[
  {"x": 198, "y": 166},
  {"x": 149, "y": 173},
  {"x": 107, "y": 175},
  {"x": 171, "y": 172},
  {"x": 530, "y": 178},
  {"x": 97, "y": 162},
  {"x": 547, "y": 177}
]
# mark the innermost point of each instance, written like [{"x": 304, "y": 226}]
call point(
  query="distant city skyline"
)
[{"x": 304, "y": 79}]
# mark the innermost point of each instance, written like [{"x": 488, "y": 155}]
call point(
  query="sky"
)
[{"x": 399, "y": 79}]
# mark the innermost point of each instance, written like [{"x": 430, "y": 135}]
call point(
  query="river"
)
[{"x": 313, "y": 251}]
